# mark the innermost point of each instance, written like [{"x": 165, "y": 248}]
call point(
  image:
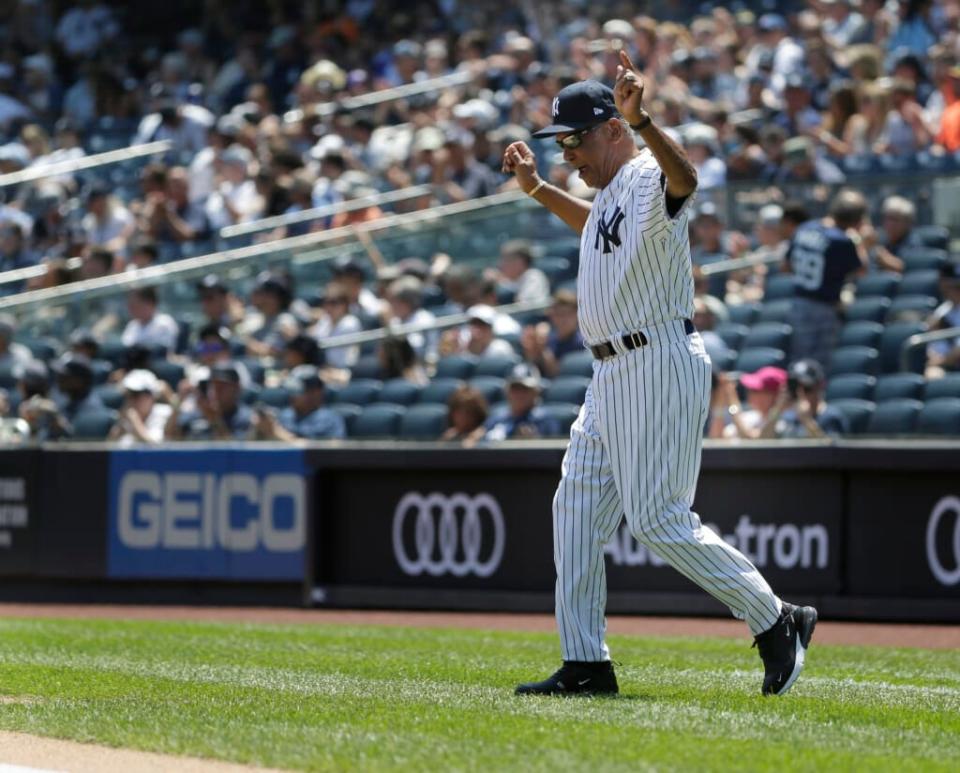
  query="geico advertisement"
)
[{"x": 217, "y": 514}]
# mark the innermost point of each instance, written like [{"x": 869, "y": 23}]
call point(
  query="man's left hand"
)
[{"x": 628, "y": 90}]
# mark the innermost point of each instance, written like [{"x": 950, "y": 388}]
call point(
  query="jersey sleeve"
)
[{"x": 652, "y": 188}]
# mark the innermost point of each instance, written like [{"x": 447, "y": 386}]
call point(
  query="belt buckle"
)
[{"x": 638, "y": 339}]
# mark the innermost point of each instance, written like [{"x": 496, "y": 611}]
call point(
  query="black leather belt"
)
[{"x": 631, "y": 341}]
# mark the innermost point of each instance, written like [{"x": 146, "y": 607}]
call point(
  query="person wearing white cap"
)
[
  {"x": 142, "y": 419},
  {"x": 480, "y": 339}
]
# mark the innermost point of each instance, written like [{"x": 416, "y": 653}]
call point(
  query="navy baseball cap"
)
[{"x": 580, "y": 106}]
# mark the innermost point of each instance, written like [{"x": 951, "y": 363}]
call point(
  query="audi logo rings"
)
[
  {"x": 449, "y": 534},
  {"x": 944, "y": 576}
]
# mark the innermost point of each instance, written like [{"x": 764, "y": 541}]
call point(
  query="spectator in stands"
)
[
  {"x": 12, "y": 354},
  {"x": 467, "y": 412},
  {"x": 897, "y": 218},
  {"x": 704, "y": 320},
  {"x": 763, "y": 388},
  {"x": 822, "y": 256},
  {"x": 36, "y": 412},
  {"x": 14, "y": 251},
  {"x": 142, "y": 418},
  {"x": 800, "y": 410},
  {"x": 906, "y": 129},
  {"x": 273, "y": 325},
  {"x": 74, "y": 393},
  {"x": 301, "y": 350},
  {"x": 218, "y": 305},
  {"x": 86, "y": 28},
  {"x": 802, "y": 163},
  {"x": 235, "y": 200},
  {"x": 522, "y": 417},
  {"x": 398, "y": 359},
  {"x": 336, "y": 319},
  {"x": 211, "y": 410},
  {"x": 702, "y": 144},
  {"x": 836, "y": 132},
  {"x": 405, "y": 298},
  {"x": 171, "y": 216},
  {"x": 184, "y": 124},
  {"x": 306, "y": 417},
  {"x": 211, "y": 348},
  {"x": 478, "y": 338},
  {"x": 503, "y": 324},
  {"x": 83, "y": 341},
  {"x": 518, "y": 275},
  {"x": 143, "y": 254},
  {"x": 457, "y": 173},
  {"x": 351, "y": 274},
  {"x": 943, "y": 356},
  {"x": 546, "y": 344},
  {"x": 148, "y": 326},
  {"x": 949, "y": 134},
  {"x": 798, "y": 116},
  {"x": 98, "y": 262},
  {"x": 108, "y": 223}
]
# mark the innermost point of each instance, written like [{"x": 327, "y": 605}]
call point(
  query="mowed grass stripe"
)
[{"x": 387, "y": 698}]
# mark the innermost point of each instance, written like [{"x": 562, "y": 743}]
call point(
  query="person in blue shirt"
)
[
  {"x": 306, "y": 417},
  {"x": 522, "y": 417},
  {"x": 821, "y": 257},
  {"x": 216, "y": 413},
  {"x": 801, "y": 411}
]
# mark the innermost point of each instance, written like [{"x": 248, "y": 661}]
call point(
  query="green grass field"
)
[{"x": 372, "y": 698}]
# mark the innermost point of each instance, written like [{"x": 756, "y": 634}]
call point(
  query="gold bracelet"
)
[{"x": 536, "y": 188}]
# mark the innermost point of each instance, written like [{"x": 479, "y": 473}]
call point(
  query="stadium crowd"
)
[{"x": 254, "y": 99}]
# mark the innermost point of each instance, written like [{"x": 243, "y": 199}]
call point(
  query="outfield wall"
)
[{"x": 865, "y": 530}]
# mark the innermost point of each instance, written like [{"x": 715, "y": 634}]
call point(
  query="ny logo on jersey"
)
[{"x": 608, "y": 229}]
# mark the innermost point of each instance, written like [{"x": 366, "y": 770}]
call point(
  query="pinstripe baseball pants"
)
[{"x": 635, "y": 450}]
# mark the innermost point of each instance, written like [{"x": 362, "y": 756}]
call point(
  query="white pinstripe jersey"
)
[{"x": 635, "y": 268}]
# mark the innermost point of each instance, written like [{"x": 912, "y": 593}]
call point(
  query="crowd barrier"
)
[{"x": 865, "y": 530}]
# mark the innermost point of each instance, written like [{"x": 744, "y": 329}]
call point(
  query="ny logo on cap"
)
[
  {"x": 608, "y": 229},
  {"x": 556, "y": 107}
]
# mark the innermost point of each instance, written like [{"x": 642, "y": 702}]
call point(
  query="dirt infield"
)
[{"x": 885, "y": 635}]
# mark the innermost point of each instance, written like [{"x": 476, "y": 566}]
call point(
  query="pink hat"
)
[{"x": 768, "y": 379}]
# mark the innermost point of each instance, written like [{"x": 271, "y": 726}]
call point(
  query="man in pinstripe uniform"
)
[{"x": 635, "y": 447}]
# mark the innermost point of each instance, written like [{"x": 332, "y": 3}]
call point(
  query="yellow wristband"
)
[{"x": 536, "y": 188}]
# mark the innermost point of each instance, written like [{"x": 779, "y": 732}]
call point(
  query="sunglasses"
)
[{"x": 573, "y": 141}]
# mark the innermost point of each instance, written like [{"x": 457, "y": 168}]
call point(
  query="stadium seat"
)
[
  {"x": 732, "y": 334},
  {"x": 275, "y": 397},
  {"x": 776, "y": 335},
  {"x": 112, "y": 349},
  {"x": 400, "y": 392},
  {"x": 913, "y": 306},
  {"x": 895, "y": 417},
  {"x": 491, "y": 387},
  {"x": 41, "y": 348},
  {"x": 930, "y": 236},
  {"x": 423, "y": 422},
  {"x": 495, "y": 365},
  {"x": 891, "y": 345},
  {"x": 881, "y": 283},
  {"x": 93, "y": 425},
  {"x": 255, "y": 368},
  {"x": 556, "y": 269},
  {"x": 367, "y": 367},
  {"x": 948, "y": 386},
  {"x": 101, "y": 370},
  {"x": 110, "y": 395},
  {"x": 723, "y": 361},
  {"x": 858, "y": 413},
  {"x": 940, "y": 417},
  {"x": 853, "y": 359},
  {"x": 514, "y": 340},
  {"x": 922, "y": 282},
  {"x": 869, "y": 309},
  {"x": 776, "y": 311},
  {"x": 379, "y": 420},
  {"x": 360, "y": 391},
  {"x": 744, "y": 313},
  {"x": 438, "y": 391},
  {"x": 349, "y": 412},
  {"x": 171, "y": 372},
  {"x": 894, "y": 386},
  {"x": 9, "y": 374},
  {"x": 750, "y": 360},
  {"x": 579, "y": 363},
  {"x": 459, "y": 366},
  {"x": 564, "y": 413},
  {"x": 915, "y": 258},
  {"x": 779, "y": 286},
  {"x": 250, "y": 395},
  {"x": 567, "y": 389},
  {"x": 858, "y": 386},
  {"x": 860, "y": 333}
]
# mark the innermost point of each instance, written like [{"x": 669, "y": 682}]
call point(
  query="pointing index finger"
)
[{"x": 626, "y": 61}]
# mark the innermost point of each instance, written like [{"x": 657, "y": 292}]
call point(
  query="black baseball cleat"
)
[
  {"x": 784, "y": 646},
  {"x": 576, "y": 678}
]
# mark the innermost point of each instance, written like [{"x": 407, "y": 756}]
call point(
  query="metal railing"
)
[
  {"x": 32, "y": 272},
  {"x": 922, "y": 339},
  {"x": 735, "y": 264},
  {"x": 41, "y": 171}
]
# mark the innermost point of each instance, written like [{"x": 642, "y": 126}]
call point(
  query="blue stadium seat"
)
[
  {"x": 400, "y": 392},
  {"x": 776, "y": 335},
  {"x": 948, "y": 386},
  {"x": 564, "y": 413},
  {"x": 776, "y": 311},
  {"x": 723, "y": 361},
  {"x": 567, "y": 389},
  {"x": 423, "y": 422},
  {"x": 495, "y": 365},
  {"x": 101, "y": 370},
  {"x": 912, "y": 306},
  {"x": 858, "y": 413},
  {"x": 893, "y": 386},
  {"x": 744, "y": 313},
  {"x": 858, "y": 386},
  {"x": 882, "y": 283},
  {"x": 860, "y": 333},
  {"x": 438, "y": 391},
  {"x": 861, "y": 164},
  {"x": 93, "y": 425},
  {"x": 9, "y": 374},
  {"x": 367, "y": 367},
  {"x": 111, "y": 395},
  {"x": 379, "y": 420},
  {"x": 275, "y": 397},
  {"x": 779, "y": 286},
  {"x": 750, "y": 360},
  {"x": 930, "y": 236},
  {"x": 869, "y": 309},
  {"x": 459, "y": 366},
  {"x": 42, "y": 348},
  {"x": 579, "y": 363},
  {"x": 250, "y": 395},
  {"x": 113, "y": 350},
  {"x": 915, "y": 258},
  {"x": 171, "y": 372},
  {"x": 924, "y": 281},
  {"x": 360, "y": 391},
  {"x": 891, "y": 344},
  {"x": 491, "y": 387},
  {"x": 853, "y": 359},
  {"x": 732, "y": 333},
  {"x": 349, "y": 412},
  {"x": 940, "y": 417},
  {"x": 556, "y": 269},
  {"x": 255, "y": 368},
  {"x": 895, "y": 417}
]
